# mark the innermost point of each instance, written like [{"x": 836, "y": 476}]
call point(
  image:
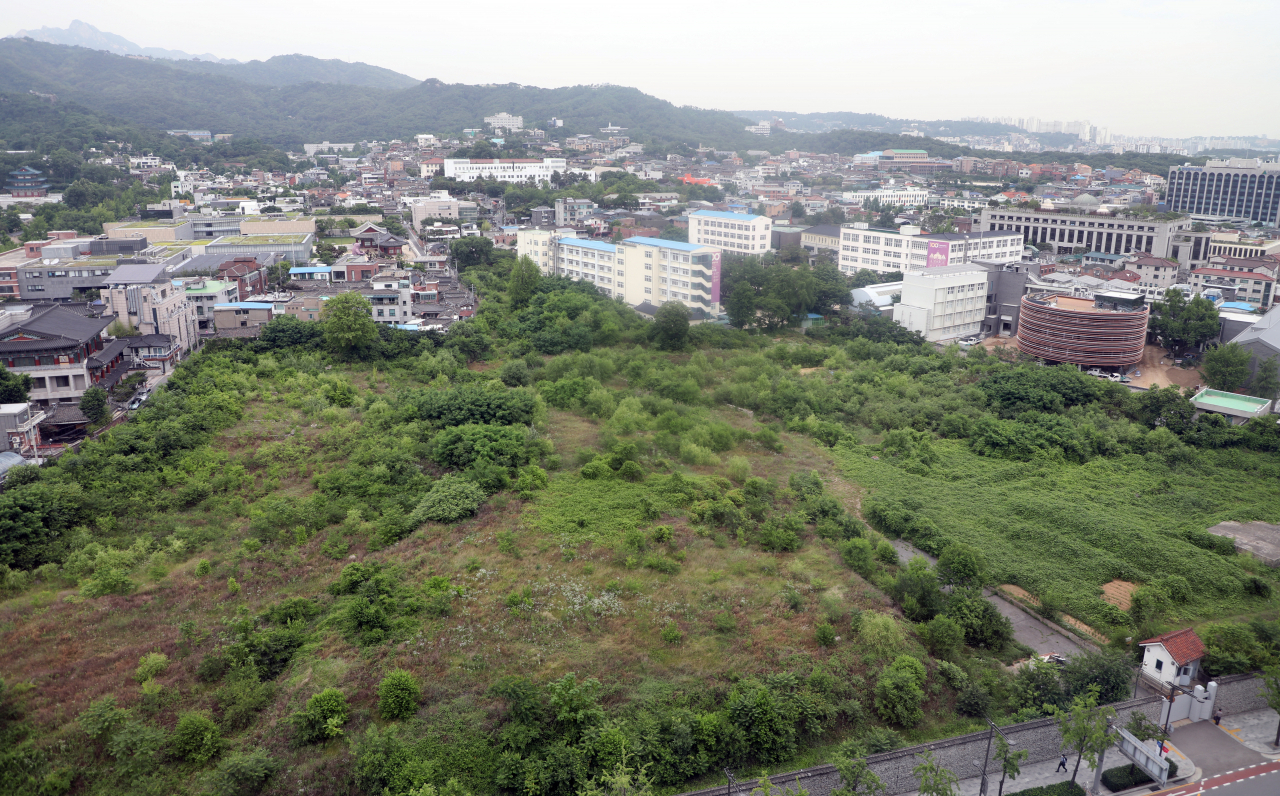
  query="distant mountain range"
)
[
  {"x": 844, "y": 120},
  {"x": 280, "y": 70},
  {"x": 289, "y": 100},
  {"x": 82, "y": 34}
]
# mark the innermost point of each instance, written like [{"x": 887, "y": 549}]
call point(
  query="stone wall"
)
[
  {"x": 1039, "y": 737},
  {"x": 1239, "y": 693}
]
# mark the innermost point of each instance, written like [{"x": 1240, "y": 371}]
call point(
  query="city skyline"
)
[{"x": 960, "y": 74}]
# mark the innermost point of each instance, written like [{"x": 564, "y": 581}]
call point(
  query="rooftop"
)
[
  {"x": 723, "y": 215},
  {"x": 262, "y": 240},
  {"x": 668, "y": 244},
  {"x": 1231, "y": 402},
  {"x": 1184, "y": 645},
  {"x": 595, "y": 245}
]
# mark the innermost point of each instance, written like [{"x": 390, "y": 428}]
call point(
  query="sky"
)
[{"x": 1171, "y": 68}]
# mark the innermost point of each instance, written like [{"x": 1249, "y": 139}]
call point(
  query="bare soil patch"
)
[{"x": 1119, "y": 593}]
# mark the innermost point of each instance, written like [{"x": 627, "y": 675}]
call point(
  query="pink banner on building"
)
[
  {"x": 715, "y": 277},
  {"x": 939, "y": 254}
]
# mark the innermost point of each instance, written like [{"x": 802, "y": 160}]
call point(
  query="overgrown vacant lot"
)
[{"x": 511, "y": 576}]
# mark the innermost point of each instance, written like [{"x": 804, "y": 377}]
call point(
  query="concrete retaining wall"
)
[
  {"x": 1239, "y": 693},
  {"x": 1039, "y": 737}
]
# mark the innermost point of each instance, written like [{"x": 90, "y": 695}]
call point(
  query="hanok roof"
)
[
  {"x": 1184, "y": 645},
  {"x": 54, "y": 328}
]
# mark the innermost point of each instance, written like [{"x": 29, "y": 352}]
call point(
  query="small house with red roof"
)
[{"x": 1172, "y": 657}]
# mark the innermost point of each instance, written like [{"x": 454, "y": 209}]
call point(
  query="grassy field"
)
[{"x": 1066, "y": 529}]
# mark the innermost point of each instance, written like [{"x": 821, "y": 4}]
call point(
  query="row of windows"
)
[{"x": 1066, "y": 223}]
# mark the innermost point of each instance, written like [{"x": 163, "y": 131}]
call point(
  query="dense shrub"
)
[
  {"x": 244, "y": 774},
  {"x": 899, "y": 692},
  {"x": 196, "y": 739},
  {"x": 459, "y": 446},
  {"x": 323, "y": 717},
  {"x": 451, "y": 499},
  {"x": 398, "y": 695},
  {"x": 1130, "y": 776},
  {"x": 476, "y": 405}
]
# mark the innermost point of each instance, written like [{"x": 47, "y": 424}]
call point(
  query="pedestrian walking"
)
[
  {"x": 1062, "y": 765},
  {"x": 1217, "y": 716}
]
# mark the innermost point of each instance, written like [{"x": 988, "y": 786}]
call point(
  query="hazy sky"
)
[{"x": 1141, "y": 67}]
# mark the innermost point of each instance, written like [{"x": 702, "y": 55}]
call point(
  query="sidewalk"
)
[
  {"x": 1046, "y": 773},
  {"x": 1255, "y": 729}
]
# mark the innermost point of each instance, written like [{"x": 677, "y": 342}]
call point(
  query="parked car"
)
[
  {"x": 1116, "y": 377},
  {"x": 1095, "y": 372},
  {"x": 970, "y": 341},
  {"x": 139, "y": 399}
]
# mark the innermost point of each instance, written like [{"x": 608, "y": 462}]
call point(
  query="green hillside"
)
[
  {"x": 288, "y": 70},
  {"x": 232, "y": 99}
]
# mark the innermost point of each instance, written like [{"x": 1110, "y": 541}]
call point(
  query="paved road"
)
[
  {"x": 1259, "y": 780},
  {"x": 1214, "y": 749},
  {"x": 1040, "y": 636}
]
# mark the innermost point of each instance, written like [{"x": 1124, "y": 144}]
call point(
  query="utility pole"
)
[
  {"x": 991, "y": 734},
  {"x": 1097, "y": 774}
]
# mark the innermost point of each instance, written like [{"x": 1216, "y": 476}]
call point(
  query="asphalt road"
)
[
  {"x": 1040, "y": 636},
  {"x": 1259, "y": 780}
]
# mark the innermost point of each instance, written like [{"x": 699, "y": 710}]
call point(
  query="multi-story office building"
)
[
  {"x": 570, "y": 212},
  {"x": 143, "y": 296},
  {"x": 1235, "y": 244},
  {"x": 1097, "y": 233},
  {"x": 504, "y": 170},
  {"x": 734, "y": 232},
  {"x": 659, "y": 271},
  {"x": 909, "y": 197},
  {"x": 905, "y": 248},
  {"x": 943, "y": 303},
  {"x": 636, "y": 270},
  {"x": 1237, "y": 189},
  {"x": 504, "y": 121}
]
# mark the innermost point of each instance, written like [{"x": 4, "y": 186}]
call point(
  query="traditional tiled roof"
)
[{"x": 1184, "y": 645}]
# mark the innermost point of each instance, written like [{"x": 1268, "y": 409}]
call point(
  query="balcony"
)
[{"x": 33, "y": 420}]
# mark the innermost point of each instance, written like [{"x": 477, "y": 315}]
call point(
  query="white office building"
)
[
  {"x": 504, "y": 169},
  {"x": 636, "y": 270},
  {"x": 733, "y": 232},
  {"x": 943, "y": 303},
  {"x": 910, "y": 197},
  {"x": 1095, "y": 232},
  {"x": 889, "y": 250},
  {"x": 504, "y": 121}
]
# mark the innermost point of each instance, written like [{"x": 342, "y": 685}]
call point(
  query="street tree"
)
[
  {"x": 1010, "y": 761},
  {"x": 1271, "y": 692},
  {"x": 348, "y": 324},
  {"x": 856, "y": 777},
  {"x": 1226, "y": 367},
  {"x": 934, "y": 779},
  {"x": 1084, "y": 728},
  {"x": 1182, "y": 323}
]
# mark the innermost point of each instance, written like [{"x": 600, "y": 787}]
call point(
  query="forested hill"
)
[
  {"x": 164, "y": 94},
  {"x": 288, "y": 70}
]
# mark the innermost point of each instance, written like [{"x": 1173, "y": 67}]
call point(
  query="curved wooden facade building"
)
[{"x": 1107, "y": 331}]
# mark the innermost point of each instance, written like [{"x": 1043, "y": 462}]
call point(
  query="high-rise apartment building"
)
[{"x": 1238, "y": 189}]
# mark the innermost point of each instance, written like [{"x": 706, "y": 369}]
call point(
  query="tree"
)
[
  {"x": 741, "y": 306},
  {"x": 1266, "y": 381},
  {"x": 900, "y": 691},
  {"x": 1084, "y": 728},
  {"x": 1109, "y": 670},
  {"x": 471, "y": 251},
  {"x": 1184, "y": 324},
  {"x": 1271, "y": 691},
  {"x": 961, "y": 565},
  {"x": 523, "y": 283},
  {"x": 934, "y": 779},
  {"x": 944, "y": 637},
  {"x": 1011, "y": 761},
  {"x": 623, "y": 780},
  {"x": 671, "y": 326},
  {"x": 14, "y": 387},
  {"x": 856, "y": 777},
  {"x": 1226, "y": 367},
  {"x": 93, "y": 404},
  {"x": 348, "y": 324}
]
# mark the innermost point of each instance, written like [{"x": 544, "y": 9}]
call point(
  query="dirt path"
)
[{"x": 1157, "y": 368}]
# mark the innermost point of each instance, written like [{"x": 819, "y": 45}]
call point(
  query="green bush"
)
[
  {"x": 451, "y": 499},
  {"x": 323, "y": 717},
  {"x": 244, "y": 774},
  {"x": 196, "y": 739},
  {"x": 1056, "y": 789},
  {"x": 457, "y": 447},
  {"x": 108, "y": 581},
  {"x": 899, "y": 692},
  {"x": 738, "y": 468},
  {"x": 671, "y": 633},
  {"x": 102, "y": 718},
  {"x": 151, "y": 665},
  {"x": 825, "y": 635},
  {"x": 398, "y": 695},
  {"x": 203, "y": 568},
  {"x": 724, "y": 622},
  {"x": 1130, "y": 776}
]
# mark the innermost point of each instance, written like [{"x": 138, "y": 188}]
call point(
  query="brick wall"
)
[{"x": 1039, "y": 737}]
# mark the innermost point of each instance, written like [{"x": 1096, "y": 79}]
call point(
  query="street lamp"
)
[{"x": 982, "y": 788}]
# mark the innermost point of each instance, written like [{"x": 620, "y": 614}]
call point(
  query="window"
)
[
  {"x": 1159, "y": 665},
  {"x": 61, "y": 381}
]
